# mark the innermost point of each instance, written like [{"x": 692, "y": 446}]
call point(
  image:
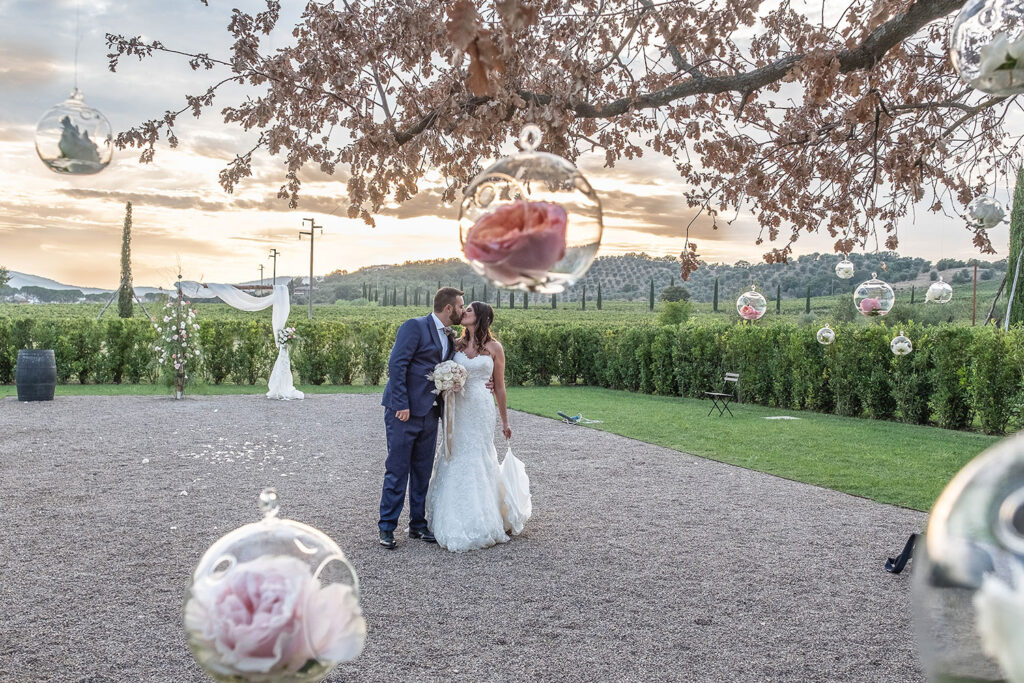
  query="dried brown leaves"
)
[{"x": 384, "y": 91}]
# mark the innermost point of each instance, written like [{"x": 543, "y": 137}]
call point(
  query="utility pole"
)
[
  {"x": 313, "y": 227},
  {"x": 261, "y": 277},
  {"x": 274, "y": 253}
]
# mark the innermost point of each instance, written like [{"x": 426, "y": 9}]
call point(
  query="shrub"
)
[
  {"x": 675, "y": 312},
  {"x": 951, "y": 405}
]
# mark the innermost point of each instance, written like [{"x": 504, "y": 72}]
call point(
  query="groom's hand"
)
[
  {"x": 402, "y": 415},
  {"x": 490, "y": 385}
]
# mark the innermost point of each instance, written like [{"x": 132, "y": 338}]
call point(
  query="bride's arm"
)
[{"x": 498, "y": 353}]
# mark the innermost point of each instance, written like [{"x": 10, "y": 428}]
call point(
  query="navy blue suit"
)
[{"x": 411, "y": 444}]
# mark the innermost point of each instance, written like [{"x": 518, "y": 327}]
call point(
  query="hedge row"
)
[{"x": 955, "y": 377}]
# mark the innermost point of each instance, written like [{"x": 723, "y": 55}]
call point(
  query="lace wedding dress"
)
[{"x": 467, "y": 508}]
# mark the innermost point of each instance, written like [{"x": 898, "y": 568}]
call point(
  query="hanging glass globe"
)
[
  {"x": 826, "y": 335},
  {"x": 74, "y": 138},
  {"x": 939, "y": 292},
  {"x": 968, "y": 590},
  {"x": 873, "y": 297},
  {"x": 844, "y": 269},
  {"x": 531, "y": 221},
  {"x": 901, "y": 345},
  {"x": 751, "y": 305},
  {"x": 276, "y": 601},
  {"x": 987, "y": 46},
  {"x": 986, "y": 212}
]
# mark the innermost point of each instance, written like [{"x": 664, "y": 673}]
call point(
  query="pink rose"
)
[
  {"x": 748, "y": 312},
  {"x": 270, "y": 615},
  {"x": 870, "y": 306},
  {"x": 518, "y": 241}
]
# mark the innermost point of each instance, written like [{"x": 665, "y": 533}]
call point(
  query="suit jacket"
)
[{"x": 416, "y": 351}]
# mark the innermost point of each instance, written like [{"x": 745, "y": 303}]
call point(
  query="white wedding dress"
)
[{"x": 468, "y": 504}]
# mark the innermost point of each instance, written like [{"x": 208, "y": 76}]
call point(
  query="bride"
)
[{"x": 469, "y": 505}]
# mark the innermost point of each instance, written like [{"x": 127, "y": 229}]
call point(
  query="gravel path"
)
[{"x": 640, "y": 563}]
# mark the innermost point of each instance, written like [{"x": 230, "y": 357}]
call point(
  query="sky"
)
[{"x": 69, "y": 228}]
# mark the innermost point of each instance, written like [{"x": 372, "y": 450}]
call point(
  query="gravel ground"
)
[{"x": 640, "y": 563}]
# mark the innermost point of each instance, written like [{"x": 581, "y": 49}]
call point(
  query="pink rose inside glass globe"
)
[
  {"x": 751, "y": 305},
  {"x": 874, "y": 298},
  {"x": 531, "y": 221},
  {"x": 275, "y": 600}
]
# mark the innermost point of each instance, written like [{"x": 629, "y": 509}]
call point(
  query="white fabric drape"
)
[{"x": 281, "y": 384}]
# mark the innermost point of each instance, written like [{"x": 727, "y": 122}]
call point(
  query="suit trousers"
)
[{"x": 410, "y": 460}]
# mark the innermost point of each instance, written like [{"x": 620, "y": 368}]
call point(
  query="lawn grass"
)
[
  {"x": 196, "y": 390},
  {"x": 890, "y": 462}
]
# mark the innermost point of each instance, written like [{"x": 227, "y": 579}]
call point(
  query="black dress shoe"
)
[
  {"x": 423, "y": 535},
  {"x": 387, "y": 539}
]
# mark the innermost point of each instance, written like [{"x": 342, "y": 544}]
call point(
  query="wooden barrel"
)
[{"x": 36, "y": 374}]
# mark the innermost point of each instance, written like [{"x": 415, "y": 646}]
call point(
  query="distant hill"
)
[
  {"x": 19, "y": 280},
  {"x": 629, "y": 276}
]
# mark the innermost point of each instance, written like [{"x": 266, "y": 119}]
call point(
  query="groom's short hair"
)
[{"x": 444, "y": 297}]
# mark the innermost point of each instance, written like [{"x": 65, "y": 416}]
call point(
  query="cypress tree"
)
[
  {"x": 526, "y": 300},
  {"x": 651, "y": 297},
  {"x": 583, "y": 300},
  {"x": 715, "y": 299},
  {"x": 1016, "y": 312},
  {"x": 126, "y": 292},
  {"x": 511, "y": 299},
  {"x": 472, "y": 295},
  {"x": 364, "y": 290},
  {"x": 439, "y": 284},
  {"x": 554, "y": 301},
  {"x": 405, "y": 295},
  {"x": 599, "y": 295},
  {"x": 485, "y": 292},
  {"x": 912, "y": 288},
  {"x": 807, "y": 306},
  {"x": 462, "y": 284},
  {"x": 497, "y": 298},
  {"x": 778, "y": 298}
]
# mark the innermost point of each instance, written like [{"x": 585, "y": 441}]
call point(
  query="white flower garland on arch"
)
[{"x": 281, "y": 384}]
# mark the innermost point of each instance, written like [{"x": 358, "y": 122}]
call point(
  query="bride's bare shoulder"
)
[{"x": 494, "y": 348}]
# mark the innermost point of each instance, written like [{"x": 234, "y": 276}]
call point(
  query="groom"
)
[{"x": 411, "y": 413}]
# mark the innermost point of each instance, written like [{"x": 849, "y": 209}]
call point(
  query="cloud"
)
[{"x": 24, "y": 64}]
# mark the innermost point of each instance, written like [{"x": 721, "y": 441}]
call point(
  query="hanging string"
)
[{"x": 78, "y": 38}]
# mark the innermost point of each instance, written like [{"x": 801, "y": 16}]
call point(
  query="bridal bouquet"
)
[
  {"x": 448, "y": 376},
  {"x": 285, "y": 336}
]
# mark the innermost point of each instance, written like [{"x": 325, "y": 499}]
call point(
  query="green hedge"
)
[{"x": 957, "y": 377}]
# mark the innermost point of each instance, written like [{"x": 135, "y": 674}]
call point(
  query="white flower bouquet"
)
[
  {"x": 285, "y": 336},
  {"x": 448, "y": 376}
]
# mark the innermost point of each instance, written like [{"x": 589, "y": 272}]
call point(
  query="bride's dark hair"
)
[{"x": 484, "y": 317}]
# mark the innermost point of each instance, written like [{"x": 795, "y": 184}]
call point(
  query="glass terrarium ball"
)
[
  {"x": 74, "y": 138},
  {"x": 844, "y": 269},
  {"x": 826, "y": 335},
  {"x": 939, "y": 292},
  {"x": 874, "y": 297},
  {"x": 986, "y": 212},
  {"x": 901, "y": 345},
  {"x": 531, "y": 221},
  {"x": 987, "y": 46},
  {"x": 275, "y": 600},
  {"x": 968, "y": 590},
  {"x": 751, "y": 305}
]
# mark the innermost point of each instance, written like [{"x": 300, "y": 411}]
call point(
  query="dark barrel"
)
[{"x": 36, "y": 374}]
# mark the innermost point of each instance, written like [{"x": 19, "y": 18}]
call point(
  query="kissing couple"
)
[{"x": 463, "y": 499}]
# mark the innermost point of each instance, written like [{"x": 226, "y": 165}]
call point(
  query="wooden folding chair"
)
[{"x": 720, "y": 399}]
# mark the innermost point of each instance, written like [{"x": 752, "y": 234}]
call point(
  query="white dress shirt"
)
[{"x": 440, "y": 333}]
